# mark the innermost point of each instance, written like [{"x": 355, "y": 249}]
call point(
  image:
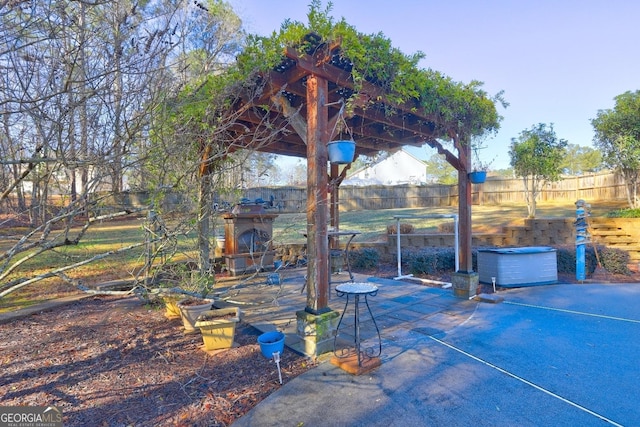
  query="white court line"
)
[
  {"x": 602, "y": 316},
  {"x": 537, "y": 387}
]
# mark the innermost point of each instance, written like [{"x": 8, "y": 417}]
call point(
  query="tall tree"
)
[
  {"x": 617, "y": 135},
  {"x": 581, "y": 159},
  {"x": 440, "y": 170},
  {"x": 212, "y": 36},
  {"x": 536, "y": 157},
  {"x": 80, "y": 86}
]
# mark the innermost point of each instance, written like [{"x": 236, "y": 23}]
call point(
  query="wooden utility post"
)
[{"x": 317, "y": 200}]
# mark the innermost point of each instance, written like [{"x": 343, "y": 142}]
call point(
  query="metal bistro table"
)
[{"x": 357, "y": 290}]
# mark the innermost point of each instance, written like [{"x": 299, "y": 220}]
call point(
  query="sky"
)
[{"x": 558, "y": 61}]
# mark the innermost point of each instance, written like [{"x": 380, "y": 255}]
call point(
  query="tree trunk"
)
[{"x": 204, "y": 214}]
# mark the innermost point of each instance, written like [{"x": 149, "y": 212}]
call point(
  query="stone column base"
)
[
  {"x": 465, "y": 285},
  {"x": 316, "y": 331}
]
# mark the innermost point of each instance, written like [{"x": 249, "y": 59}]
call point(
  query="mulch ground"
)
[{"x": 110, "y": 361}]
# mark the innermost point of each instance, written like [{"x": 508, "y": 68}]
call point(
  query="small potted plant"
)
[
  {"x": 479, "y": 173},
  {"x": 218, "y": 327},
  {"x": 170, "y": 300},
  {"x": 196, "y": 288}
]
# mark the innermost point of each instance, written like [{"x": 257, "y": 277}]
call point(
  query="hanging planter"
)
[
  {"x": 478, "y": 177},
  {"x": 342, "y": 151}
]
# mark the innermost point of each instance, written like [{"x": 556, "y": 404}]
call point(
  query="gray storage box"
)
[{"x": 515, "y": 267}]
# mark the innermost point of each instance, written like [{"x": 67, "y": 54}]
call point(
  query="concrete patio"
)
[{"x": 553, "y": 355}]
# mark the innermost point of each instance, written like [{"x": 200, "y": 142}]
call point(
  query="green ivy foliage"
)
[{"x": 460, "y": 110}]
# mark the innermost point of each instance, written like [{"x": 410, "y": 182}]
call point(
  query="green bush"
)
[
  {"x": 613, "y": 260},
  {"x": 364, "y": 258},
  {"x": 430, "y": 260},
  {"x": 439, "y": 260},
  {"x": 624, "y": 213},
  {"x": 566, "y": 257}
]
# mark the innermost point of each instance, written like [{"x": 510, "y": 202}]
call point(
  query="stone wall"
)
[{"x": 622, "y": 233}]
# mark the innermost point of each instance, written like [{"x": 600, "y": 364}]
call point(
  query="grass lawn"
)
[
  {"x": 288, "y": 228},
  {"x": 373, "y": 224}
]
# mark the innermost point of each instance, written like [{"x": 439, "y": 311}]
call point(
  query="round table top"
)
[{"x": 356, "y": 288}]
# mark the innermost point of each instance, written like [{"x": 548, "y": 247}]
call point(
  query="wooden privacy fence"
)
[{"x": 495, "y": 191}]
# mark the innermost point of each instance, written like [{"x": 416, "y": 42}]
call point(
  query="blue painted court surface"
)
[{"x": 557, "y": 355}]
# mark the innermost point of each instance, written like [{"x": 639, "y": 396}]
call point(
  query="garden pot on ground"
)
[
  {"x": 271, "y": 342},
  {"x": 190, "y": 309},
  {"x": 171, "y": 305},
  {"x": 218, "y": 327}
]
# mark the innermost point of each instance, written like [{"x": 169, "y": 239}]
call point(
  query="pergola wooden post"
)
[
  {"x": 334, "y": 201},
  {"x": 464, "y": 213},
  {"x": 317, "y": 196},
  {"x": 317, "y": 322},
  {"x": 464, "y": 281}
]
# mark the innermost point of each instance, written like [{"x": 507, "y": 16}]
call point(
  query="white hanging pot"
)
[{"x": 342, "y": 151}]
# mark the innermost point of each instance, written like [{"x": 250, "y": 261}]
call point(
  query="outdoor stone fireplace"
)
[{"x": 248, "y": 232}]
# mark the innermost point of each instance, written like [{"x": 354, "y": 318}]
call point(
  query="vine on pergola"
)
[
  {"x": 389, "y": 101},
  {"x": 459, "y": 111}
]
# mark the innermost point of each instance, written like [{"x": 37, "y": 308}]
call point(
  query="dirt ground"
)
[{"x": 112, "y": 361}]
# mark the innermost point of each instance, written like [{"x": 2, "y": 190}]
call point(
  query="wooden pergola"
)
[{"x": 306, "y": 95}]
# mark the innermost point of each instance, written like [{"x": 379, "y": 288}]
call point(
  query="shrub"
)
[
  {"x": 566, "y": 257},
  {"x": 613, "y": 260},
  {"x": 430, "y": 260},
  {"x": 446, "y": 227},
  {"x": 624, "y": 213},
  {"x": 405, "y": 228},
  {"x": 364, "y": 258}
]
